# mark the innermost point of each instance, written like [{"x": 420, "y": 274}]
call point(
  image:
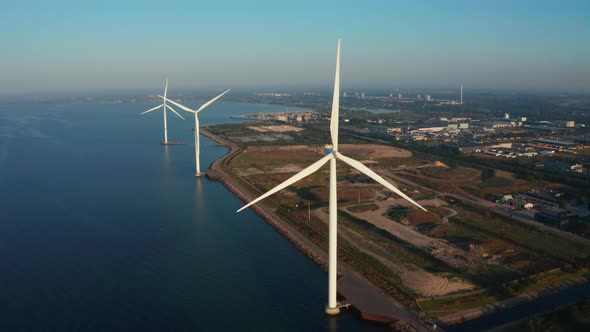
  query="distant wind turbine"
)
[
  {"x": 197, "y": 141},
  {"x": 333, "y": 154},
  {"x": 165, "y": 121}
]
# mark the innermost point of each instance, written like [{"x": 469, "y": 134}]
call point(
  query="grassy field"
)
[
  {"x": 575, "y": 317},
  {"x": 363, "y": 208},
  {"x": 439, "y": 186},
  {"x": 585, "y": 152},
  {"x": 582, "y": 227},
  {"x": 266, "y": 167},
  {"x": 449, "y": 304},
  {"x": 443, "y": 305},
  {"x": 547, "y": 278},
  {"x": 393, "y": 245},
  {"x": 444, "y": 173},
  {"x": 496, "y": 182},
  {"x": 454, "y": 233},
  {"x": 370, "y": 267},
  {"x": 521, "y": 234},
  {"x": 267, "y": 161}
]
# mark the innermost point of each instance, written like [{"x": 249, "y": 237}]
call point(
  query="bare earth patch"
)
[
  {"x": 369, "y": 150},
  {"x": 420, "y": 281},
  {"x": 428, "y": 284},
  {"x": 275, "y": 129},
  {"x": 287, "y": 169}
]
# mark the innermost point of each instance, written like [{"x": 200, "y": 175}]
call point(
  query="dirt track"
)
[{"x": 418, "y": 280}]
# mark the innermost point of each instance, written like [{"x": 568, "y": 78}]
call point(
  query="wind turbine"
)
[
  {"x": 165, "y": 122},
  {"x": 331, "y": 155},
  {"x": 197, "y": 141}
]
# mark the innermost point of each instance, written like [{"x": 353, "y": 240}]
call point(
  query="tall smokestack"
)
[{"x": 461, "y": 94}]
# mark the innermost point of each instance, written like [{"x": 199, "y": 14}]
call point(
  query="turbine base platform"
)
[
  {"x": 332, "y": 311},
  {"x": 172, "y": 143},
  {"x": 199, "y": 174}
]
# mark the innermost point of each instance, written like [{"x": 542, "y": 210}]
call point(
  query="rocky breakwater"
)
[{"x": 220, "y": 173}]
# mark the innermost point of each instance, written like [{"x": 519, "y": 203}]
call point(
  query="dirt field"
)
[
  {"x": 275, "y": 129},
  {"x": 371, "y": 151},
  {"x": 293, "y": 158},
  {"x": 420, "y": 281}
]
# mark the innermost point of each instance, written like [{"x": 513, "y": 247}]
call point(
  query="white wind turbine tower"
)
[
  {"x": 197, "y": 140},
  {"x": 165, "y": 121},
  {"x": 332, "y": 307}
]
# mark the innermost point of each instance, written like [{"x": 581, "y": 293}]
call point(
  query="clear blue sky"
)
[{"x": 111, "y": 45}]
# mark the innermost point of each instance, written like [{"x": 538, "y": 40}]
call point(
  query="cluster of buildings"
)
[
  {"x": 510, "y": 150},
  {"x": 580, "y": 167},
  {"x": 400, "y": 98},
  {"x": 481, "y": 136},
  {"x": 361, "y": 95},
  {"x": 273, "y": 94},
  {"x": 549, "y": 126},
  {"x": 504, "y": 137},
  {"x": 438, "y": 133},
  {"x": 477, "y": 132},
  {"x": 285, "y": 116},
  {"x": 541, "y": 206}
]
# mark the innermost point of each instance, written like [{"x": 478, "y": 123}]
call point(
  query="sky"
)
[{"x": 62, "y": 46}]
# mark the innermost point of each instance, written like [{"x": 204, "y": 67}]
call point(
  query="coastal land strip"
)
[{"x": 361, "y": 292}]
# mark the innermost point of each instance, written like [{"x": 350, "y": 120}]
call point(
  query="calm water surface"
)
[{"x": 103, "y": 229}]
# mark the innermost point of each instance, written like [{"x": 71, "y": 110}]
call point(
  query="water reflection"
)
[
  {"x": 166, "y": 158},
  {"x": 200, "y": 201},
  {"x": 332, "y": 323}
]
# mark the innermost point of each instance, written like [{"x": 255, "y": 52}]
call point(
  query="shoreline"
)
[
  {"x": 216, "y": 167},
  {"x": 472, "y": 314}
]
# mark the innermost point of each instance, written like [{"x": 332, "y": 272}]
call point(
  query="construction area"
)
[{"x": 453, "y": 258}]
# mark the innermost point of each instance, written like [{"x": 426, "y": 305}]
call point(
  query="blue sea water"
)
[{"x": 104, "y": 229}]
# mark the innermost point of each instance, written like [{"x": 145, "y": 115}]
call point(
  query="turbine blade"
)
[
  {"x": 172, "y": 109},
  {"x": 152, "y": 109},
  {"x": 364, "y": 169},
  {"x": 177, "y": 104},
  {"x": 309, "y": 170},
  {"x": 335, "y": 103},
  {"x": 211, "y": 101},
  {"x": 166, "y": 88}
]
